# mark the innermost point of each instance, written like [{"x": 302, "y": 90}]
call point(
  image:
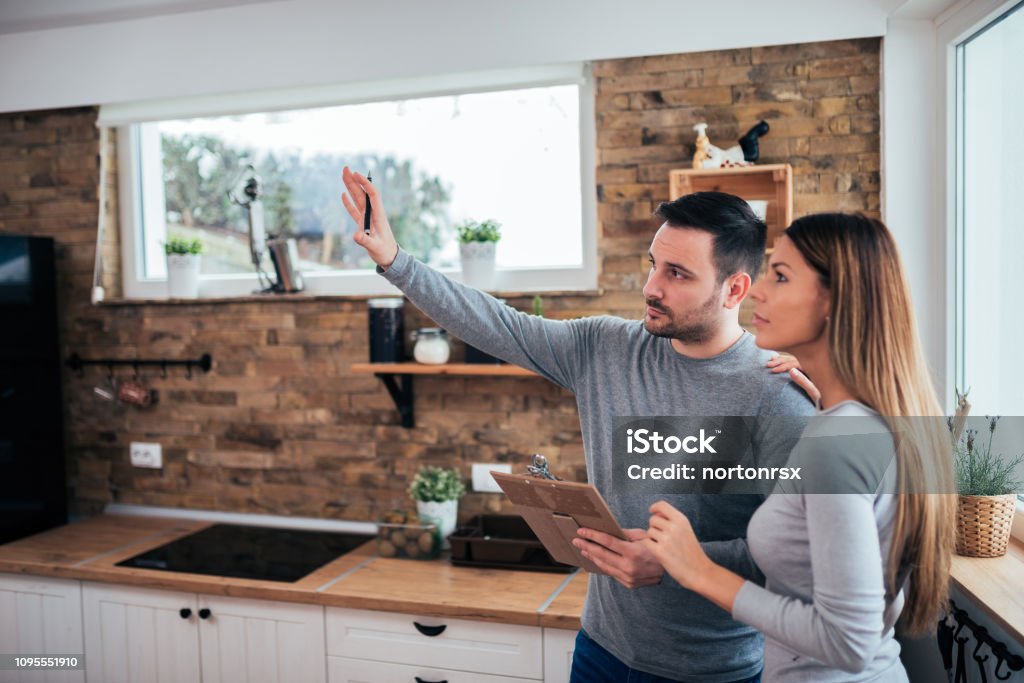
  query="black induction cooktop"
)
[{"x": 249, "y": 552}]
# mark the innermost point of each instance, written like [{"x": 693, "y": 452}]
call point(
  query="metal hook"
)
[
  {"x": 163, "y": 369},
  {"x": 980, "y": 635},
  {"x": 188, "y": 369},
  {"x": 135, "y": 370},
  {"x": 110, "y": 372},
  {"x": 1013, "y": 662}
]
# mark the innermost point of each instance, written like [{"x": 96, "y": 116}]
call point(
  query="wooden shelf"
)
[
  {"x": 458, "y": 369},
  {"x": 771, "y": 182},
  {"x": 397, "y": 378}
]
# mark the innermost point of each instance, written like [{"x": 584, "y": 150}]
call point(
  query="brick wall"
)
[{"x": 281, "y": 425}]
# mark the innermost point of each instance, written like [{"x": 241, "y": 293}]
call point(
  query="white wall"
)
[
  {"x": 911, "y": 178},
  {"x": 286, "y": 43}
]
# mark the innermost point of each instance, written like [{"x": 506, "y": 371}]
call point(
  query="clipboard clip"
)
[{"x": 539, "y": 468}]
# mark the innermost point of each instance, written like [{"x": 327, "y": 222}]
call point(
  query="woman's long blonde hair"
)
[{"x": 875, "y": 352}]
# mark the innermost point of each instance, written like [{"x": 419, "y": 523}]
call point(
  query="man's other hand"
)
[{"x": 629, "y": 562}]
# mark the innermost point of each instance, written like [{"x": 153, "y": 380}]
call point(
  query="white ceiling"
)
[{"x": 17, "y": 16}]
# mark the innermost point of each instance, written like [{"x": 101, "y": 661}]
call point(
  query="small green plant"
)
[
  {"x": 484, "y": 231},
  {"x": 436, "y": 485},
  {"x": 538, "y": 305},
  {"x": 979, "y": 472},
  {"x": 182, "y": 245}
]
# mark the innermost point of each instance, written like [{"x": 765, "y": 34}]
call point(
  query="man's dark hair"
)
[{"x": 739, "y": 235}]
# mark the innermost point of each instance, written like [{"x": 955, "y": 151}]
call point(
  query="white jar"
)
[{"x": 432, "y": 346}]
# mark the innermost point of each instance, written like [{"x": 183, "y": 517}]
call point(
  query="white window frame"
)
[
  {"x": 953, "y": 28},
  {"x": 141, "y": 195}
]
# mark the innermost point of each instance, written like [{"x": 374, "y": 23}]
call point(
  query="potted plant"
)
[
  {"x": 437, "y": 492},
  {"x": 477, "y": 243},
  {"x": 183, "y": 259},
  {"x": 988, "y": 495}
]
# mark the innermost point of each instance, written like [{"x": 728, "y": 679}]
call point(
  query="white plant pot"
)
[
  {"x": 477, "y": 264},
  {"x": 183, "y": 276},
  {"x": 442, "y": 514}
]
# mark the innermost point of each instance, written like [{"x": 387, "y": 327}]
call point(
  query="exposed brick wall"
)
[{"x": 280, "y": 425}]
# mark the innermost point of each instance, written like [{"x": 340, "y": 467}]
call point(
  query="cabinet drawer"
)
[
  {"x": 345, "y": 670},
  {"x": 498, "y": 649}
]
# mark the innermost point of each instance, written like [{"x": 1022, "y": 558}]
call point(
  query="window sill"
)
[{"x": 304, "y": 297}]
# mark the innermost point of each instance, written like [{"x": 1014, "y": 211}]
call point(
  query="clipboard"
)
[{"x": 555, "y": 510}]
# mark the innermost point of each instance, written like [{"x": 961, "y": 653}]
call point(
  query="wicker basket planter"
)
[{"x": 983, "y": 525}]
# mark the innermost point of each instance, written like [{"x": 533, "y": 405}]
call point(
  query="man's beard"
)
[{"x": 696, "y": 327}]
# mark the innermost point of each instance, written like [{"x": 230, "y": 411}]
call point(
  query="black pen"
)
[{"x": 366, "y": 197}]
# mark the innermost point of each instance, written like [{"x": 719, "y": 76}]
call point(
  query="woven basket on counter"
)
[{"x": 983, "y": 525}]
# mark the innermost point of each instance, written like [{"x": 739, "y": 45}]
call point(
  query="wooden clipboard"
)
[{"x": 555, "y": 510}]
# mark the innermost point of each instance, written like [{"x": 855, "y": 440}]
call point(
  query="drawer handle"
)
[
  {"x": 185, "y": 612},
  {"x": 204, "y": 613},
  {"x": 423, "y": 680},
  {"x": 429, "y": 631}
]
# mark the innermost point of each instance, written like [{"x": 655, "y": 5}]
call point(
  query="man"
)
[{"x": 689, "y": 356}]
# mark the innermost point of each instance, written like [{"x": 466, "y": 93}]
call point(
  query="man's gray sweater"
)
[{"x": 616, "y": 368}]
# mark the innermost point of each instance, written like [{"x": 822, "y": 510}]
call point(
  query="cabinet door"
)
[
  {"x": 40, "y": 616},
  {"x": 137, "y": 634},
  {"x": 559, "y": 644},
  {"x": 261, "y": 641}
]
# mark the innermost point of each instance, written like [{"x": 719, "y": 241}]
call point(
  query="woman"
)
[{"x": 840, "y": 568}]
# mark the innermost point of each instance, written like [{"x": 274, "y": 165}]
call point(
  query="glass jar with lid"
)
[{"x": 432, "y": 347}]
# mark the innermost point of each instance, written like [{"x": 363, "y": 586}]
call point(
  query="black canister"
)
[{"x": 387, "y": 330}]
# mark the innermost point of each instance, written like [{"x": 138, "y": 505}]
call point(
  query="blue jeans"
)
[{"x": 591, "y": 663}]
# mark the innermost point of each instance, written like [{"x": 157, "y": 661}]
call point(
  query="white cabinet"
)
[
  {"x": 139, "y": 634},
  {"x": 559, "y": 644},
  {"x": 345, "y": 670},
  {"x": 260, "y": 641},
  {"x": 446, "y": 646},
  {"x": 40, "y": 616}
]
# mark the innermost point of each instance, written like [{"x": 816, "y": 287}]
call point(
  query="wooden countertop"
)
[
  {"x": 90, "y": 549},
  {"x": 996, "y": 584}
]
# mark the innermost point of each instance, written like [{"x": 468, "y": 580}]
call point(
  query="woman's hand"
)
[
  {"x": 672, "y": 541},
  {"x": 380, "y": 244},
  {"x": 783, "y": 362}
]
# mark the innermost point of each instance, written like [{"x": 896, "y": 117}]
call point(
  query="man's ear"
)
[{"x": 736, "y": 287}]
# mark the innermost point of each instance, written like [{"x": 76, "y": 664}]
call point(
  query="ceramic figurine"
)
[{"x": 744, "y": 153}]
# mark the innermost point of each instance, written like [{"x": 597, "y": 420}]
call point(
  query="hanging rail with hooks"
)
[
  {"x": 204, "y": 363},
  {"x": 949, "y": 636}
]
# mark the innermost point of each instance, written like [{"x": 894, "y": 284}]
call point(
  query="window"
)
[
  {"x": 990, "y": 230},
  {"x": 989, "y": 227},
  {"x": 514, "y": 147}
]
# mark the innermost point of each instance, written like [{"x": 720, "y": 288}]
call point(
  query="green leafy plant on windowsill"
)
[
  {"x": 435, "y": 484},
  {"x": 484, "y": 231},
  {"x": 979, "y": 471},
  {"x": 182, "y": 245}
]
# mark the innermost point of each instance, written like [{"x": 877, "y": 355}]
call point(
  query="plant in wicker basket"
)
[{"x": 988, "y": 496}]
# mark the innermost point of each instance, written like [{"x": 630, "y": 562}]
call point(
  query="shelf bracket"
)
[{"x": 402, "y": 396}]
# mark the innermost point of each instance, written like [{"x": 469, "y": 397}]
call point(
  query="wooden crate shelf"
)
[{"x": 772, "y": 183}]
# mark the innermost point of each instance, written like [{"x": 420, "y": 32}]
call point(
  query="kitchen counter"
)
[{"x": 90, "y": 550}]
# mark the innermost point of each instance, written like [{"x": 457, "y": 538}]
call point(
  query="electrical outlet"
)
[
  {"x": 146, "y": 454},
  {"x": 482, "y": 479}
]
